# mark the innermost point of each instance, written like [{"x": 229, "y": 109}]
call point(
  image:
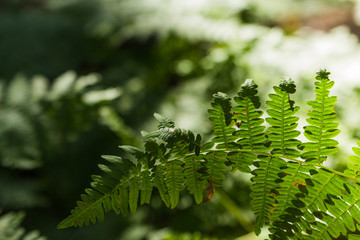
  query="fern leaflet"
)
[{"x": 321, "y": 119}]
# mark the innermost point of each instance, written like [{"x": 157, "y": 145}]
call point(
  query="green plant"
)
[
  {"x": 10, "y": 228},
  {"x": 293, "y": 192}
]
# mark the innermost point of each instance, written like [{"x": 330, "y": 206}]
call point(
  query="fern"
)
[
  {"x": 10, "y": 228},
  {"x": 292, "y": 191},
  {"x": 321, "y": 119}
]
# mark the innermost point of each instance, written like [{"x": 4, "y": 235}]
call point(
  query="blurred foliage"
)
[
  {"x": 187, "y": 236},
  {"x": 10, "y": 228},
  {"x": 149, "y": 56}
]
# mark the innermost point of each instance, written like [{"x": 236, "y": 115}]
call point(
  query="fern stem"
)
[
  {"x": 321, "y": 120},
  {"x": 248, "y": 125},
  {"x": 223, "y": 128},
  {"x": 282, "y": 126}
]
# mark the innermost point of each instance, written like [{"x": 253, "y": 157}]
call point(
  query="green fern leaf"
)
[
  {"x": 291, "y": 192},
  {"x": 282, "y": 121},
  {"x": 133, "y": 194},
  {"x": 221, "y": 118},
  {"x": 241, "y": 160},
  {"x": 251, "y": 131},
  {"x": 322, "y": 126},
  {"x": 174, "y": 181},
  {"x": 353, "y": 237},
  {"x": 215, "y": 167},
  {"x": 194, "y": 180},
  {"x": 146, "y": 187},
  {"x": 263, "y": 191},
  {"x": 354, "y": 166},
  {"x": 164, "y": 122},
  {"x": 322, "y": 202},
  {"x": 159, "y": 182},
  {"x": 252, "y": 137},
  {"x": 104, "y": 193},
  {"x": 122, "y": 199},
  {"x": 136, "y": 152}
]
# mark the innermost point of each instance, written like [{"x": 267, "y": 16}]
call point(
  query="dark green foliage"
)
[
  {"x": 292, "y": 192},
  {"x": 10, "y": 228}
]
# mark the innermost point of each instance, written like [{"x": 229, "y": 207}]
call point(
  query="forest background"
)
[{"x": 79, "y": 78}]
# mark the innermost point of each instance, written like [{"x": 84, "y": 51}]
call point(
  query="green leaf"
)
[
  {"x": 221, "y": 118},
  {"x": 159, "y": 182},
  {"x": 146, "y": 187},
  {"x": 164, "y": 122},
  {"x": 282, "y": 131},
  {"x": 133, "y": 194},
  {"x": 174, "y": 182},
  {"x": 321, "y": 120},
  {"x": 251, "y": 131},
  {"x": 194, "y": 181}
]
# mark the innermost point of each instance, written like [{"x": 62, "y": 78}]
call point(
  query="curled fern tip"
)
[
  {"x": 249, "y": 88},
  {"x": 287, "y": 85},
  {"x": 322, "y": 74}
]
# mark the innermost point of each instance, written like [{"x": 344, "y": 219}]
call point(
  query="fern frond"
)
[
  {"x": 174, "y": 181},
  {"x": 221, "y": 118},
  {"x": 326, "y": 200},
  {"x": 133, "y": 193},
  {"x": 263, "y": 191},
  {"x": 146, "y": 187},
  {"x": 251, "y": 131},
  {"x": 354, "y": 166},
  {"x": 241, "y": 160},
  {"x": 282, "y": 136},
  {"x": 107, "y": 193},
  {"x": 194, "y": 180},
  {"x": 120, "y": 199},
  {"x": 297, "y": 206},
  {"x": 283, "y": 123},
  {"x": 291, "y": 191},
  {"x": 215, "y": 167},
  {"x": 296, "y": 195},
  {"x": 159, "y": 181},
  {"x": 322, "y": 119},
  {"x": 252, "y": 137}
]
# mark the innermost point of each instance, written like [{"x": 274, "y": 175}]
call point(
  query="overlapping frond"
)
[
  {"x": 292, "y": 192},
  {"x": 263, "y": 191},
  {"x": 163, "y": 165},
  {"x": 282, "y": 136},
  {"x": 292, "y": 188},
  {"x": 306, "y": 205},
  {"x": 326, "y": 206},
  {"x": 252, "y": 137}
]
